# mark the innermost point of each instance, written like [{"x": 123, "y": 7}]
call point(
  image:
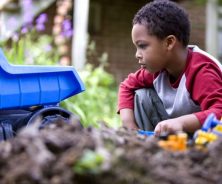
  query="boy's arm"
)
[
  {"x": 127, "y": 88},
  {"x": 206, "y": 90},
  {"x": 140, "y": 79},
  {"x": 128, "y": 119}
]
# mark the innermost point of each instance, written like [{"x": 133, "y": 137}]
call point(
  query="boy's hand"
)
[
  {"x": 168, "y": 126},
  {"x": 187, "y": 123}
]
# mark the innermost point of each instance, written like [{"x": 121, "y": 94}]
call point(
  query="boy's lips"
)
[{"x": 143, "y": 66}]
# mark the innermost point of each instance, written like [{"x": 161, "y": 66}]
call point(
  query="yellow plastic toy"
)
[
  {"x": 177, "y": 142},
  {"x": 202, "y": 138}
]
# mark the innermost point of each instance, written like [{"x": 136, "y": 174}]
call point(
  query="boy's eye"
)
[{"x": 142, "y": 46}]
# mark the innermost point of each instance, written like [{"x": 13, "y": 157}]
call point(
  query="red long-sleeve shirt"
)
[{"x": 198, "y": 90}]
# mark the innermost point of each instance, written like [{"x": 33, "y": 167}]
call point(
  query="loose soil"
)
[{"x": 67, "y": 153}]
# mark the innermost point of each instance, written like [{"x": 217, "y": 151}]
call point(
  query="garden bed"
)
[{"x": 63, "y": 153}]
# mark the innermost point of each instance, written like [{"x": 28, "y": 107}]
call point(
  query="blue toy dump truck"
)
[{"x": 30, "y": 92}]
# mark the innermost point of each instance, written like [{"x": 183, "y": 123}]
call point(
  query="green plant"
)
[
  {"x": 98, "y": 102},
  {"x": 205, "y": 1},
  {"x": 31, "y": 49},
  {"x": 90, "y": 162},
  {"x": 31, "y": 46}
]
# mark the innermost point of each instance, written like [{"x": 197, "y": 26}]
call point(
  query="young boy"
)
[{"x": 178, "y": 85}]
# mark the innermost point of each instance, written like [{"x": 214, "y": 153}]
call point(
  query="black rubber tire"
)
[{"x": 50, "y": 115}]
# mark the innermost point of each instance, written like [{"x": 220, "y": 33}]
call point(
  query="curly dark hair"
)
[{"x": 163, "y": 18}]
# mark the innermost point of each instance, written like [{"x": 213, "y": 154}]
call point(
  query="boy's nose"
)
[{"x": 138, "y": 55}]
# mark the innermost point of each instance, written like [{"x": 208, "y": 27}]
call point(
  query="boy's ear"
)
[{"x": 170, "y": 41}]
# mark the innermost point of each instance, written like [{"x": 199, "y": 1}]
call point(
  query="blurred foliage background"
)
[
  {"x": 30, "y": 45},
  {"x": 205, "y": 1}
]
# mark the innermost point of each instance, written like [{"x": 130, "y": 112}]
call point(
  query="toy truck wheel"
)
[{"x": 50, "y": 115}]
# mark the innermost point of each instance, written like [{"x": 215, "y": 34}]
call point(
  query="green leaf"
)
[{"x": 90, "y": 162}]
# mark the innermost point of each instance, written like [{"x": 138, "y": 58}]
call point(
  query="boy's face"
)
[{"x": 151, "y": 51}]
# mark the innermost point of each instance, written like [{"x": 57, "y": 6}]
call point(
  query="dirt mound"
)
[{"x": 68, "y": 153}]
